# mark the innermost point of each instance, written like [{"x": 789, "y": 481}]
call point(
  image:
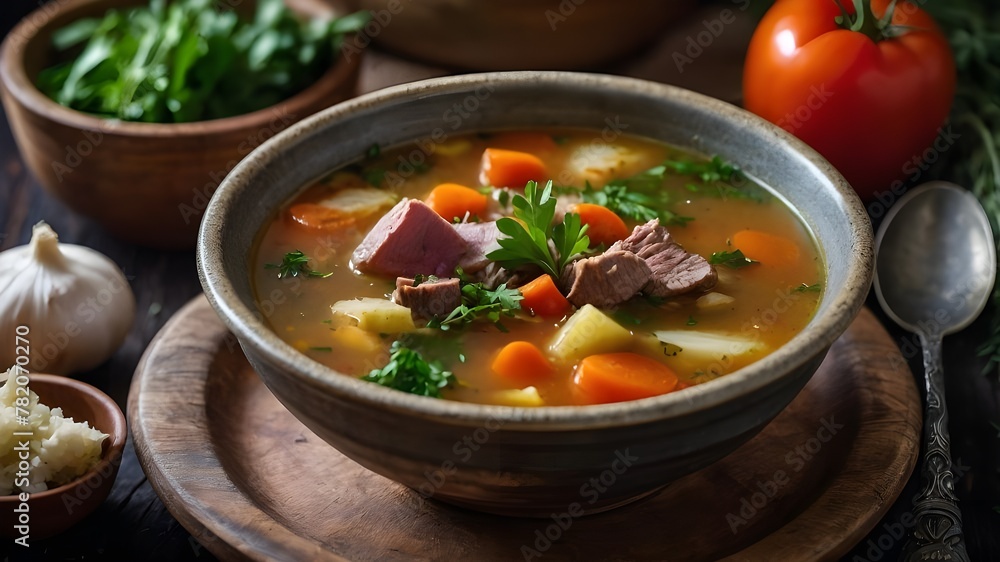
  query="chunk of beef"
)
[
  {"x": 675, "y": 271},
  {"x": 411, "y": 239},
  {"x": 433, "y": 298},
  {"x": 481, "y": 239},
  {"x": 606, "y": 280}
]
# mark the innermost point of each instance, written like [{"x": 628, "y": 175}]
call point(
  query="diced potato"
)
[
  {"x": 652, "y": 346},
  {"x": 589, "y": 331},
  {"x": 359, "y": 202},
  {"x": 376, "y": 315},
  {"x": 526, "y": 397},
  {"x": 599, "y": 163},
  {"x": 711, "y": 346},
  {"x": 357, "y": 339},
  {"x": 714, "y": 301}
]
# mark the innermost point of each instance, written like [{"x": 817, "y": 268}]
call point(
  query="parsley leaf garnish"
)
[
  {"x": 480, "y": 302},
  {"x": 714, "y": 170},
  {"x": 624, "y": 199},
  {"x": 718, "y": 178},
  {"x": 528, "y": 243},
  {"x": 295, "y": 264},
  {"x": 408, "y": 371},
  {"x": 804, "y": 288},
  {"x": 734, "y": 259}
]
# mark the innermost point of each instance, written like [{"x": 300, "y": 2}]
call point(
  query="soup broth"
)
[{"x": 767, "y": 270}]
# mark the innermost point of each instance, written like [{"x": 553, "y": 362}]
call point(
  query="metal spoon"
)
[{"x": 934, "y": 271}]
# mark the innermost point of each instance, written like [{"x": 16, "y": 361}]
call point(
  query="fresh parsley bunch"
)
[{"x": 187, "y": 60}]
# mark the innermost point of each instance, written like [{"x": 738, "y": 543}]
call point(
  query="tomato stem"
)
[{"x": 863, "y": 20}]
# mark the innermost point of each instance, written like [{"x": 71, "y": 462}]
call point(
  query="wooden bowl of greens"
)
[{"x": 132, "y": 113}]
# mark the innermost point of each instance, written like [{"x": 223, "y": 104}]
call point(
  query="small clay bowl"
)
[
  {"x": 53, "y": 511},
  {"x": 146, "y": 183}
]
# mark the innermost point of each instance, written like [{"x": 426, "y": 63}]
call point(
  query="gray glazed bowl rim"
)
[{"x": 829, "y": 323}]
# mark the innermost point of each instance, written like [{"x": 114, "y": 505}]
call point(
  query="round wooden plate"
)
[{"x": 250, "y": 482}]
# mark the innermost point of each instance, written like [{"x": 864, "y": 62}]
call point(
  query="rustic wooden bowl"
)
[
  {"x": 53, "y": 511},
  {"x": 518, "y": 34},
  {"x": 146, "y": 183},
  {"x": 532, "y": 461}
]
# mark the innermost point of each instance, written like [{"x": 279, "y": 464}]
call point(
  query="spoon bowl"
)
[
  {"x": 934, "y": 271},
  {"x": 936, "y": 259}
]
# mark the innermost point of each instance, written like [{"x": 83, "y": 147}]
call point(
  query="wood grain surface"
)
[{"x": 251, "y": 482}]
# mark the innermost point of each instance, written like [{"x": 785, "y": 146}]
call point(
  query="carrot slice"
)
[
  {"x": 510, "y": 168},
  {"x": 538, "y": 144},
  {"x": 452, "y": 200},
  {"x": 319, "y": 217},
  {"x": 603, "y": 225},
  {"x": 617, "y": 377},
  {"x": 542, "y": 297},
  {"x": 522, "y": 363},
  {"x": 766, "y": 248}
]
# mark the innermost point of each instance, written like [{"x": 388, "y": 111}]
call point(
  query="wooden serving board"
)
[{"x": 250, "y": 482}]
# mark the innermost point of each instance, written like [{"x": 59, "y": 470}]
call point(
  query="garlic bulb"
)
[{"x": 74, "y": 301}]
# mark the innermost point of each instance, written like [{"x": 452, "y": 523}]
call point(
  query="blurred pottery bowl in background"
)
[
  {"x": 531, "y": 461},
  {"x": 146, "y": 183},
  {"x": 55, "y": 510},
  {"x": 518, "y": 34}
]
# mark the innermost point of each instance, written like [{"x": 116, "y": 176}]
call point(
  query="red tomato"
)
[{"x": 871, "y": 107}]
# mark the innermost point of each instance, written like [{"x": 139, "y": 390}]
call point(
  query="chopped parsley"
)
[
  {"x": 374, "y": 176},
  {"x": 734, "y": 259},
  {"x": 480, "y": 302},
  {"x": 321, "y": 348},
  {"x": 295, "y": 264},
  {"x": 408, "y": 371},
  {"x": 717, "y": 178},
  {"x": 527, "y": 242},
  {"x": 691, "y": 321},
  {"x": 714, "y": 170},
  {"x": 804, "y": 288}
]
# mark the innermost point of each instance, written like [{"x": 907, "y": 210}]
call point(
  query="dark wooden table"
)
[{"x": 133, "y": 523}]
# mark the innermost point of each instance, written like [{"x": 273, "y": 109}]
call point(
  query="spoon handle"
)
[{"x": 938, "y": 531}]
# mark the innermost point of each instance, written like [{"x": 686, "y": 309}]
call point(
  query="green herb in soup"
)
[
  {"x": 189, "y": 60},
  {"x": 536, "y": 268}
]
